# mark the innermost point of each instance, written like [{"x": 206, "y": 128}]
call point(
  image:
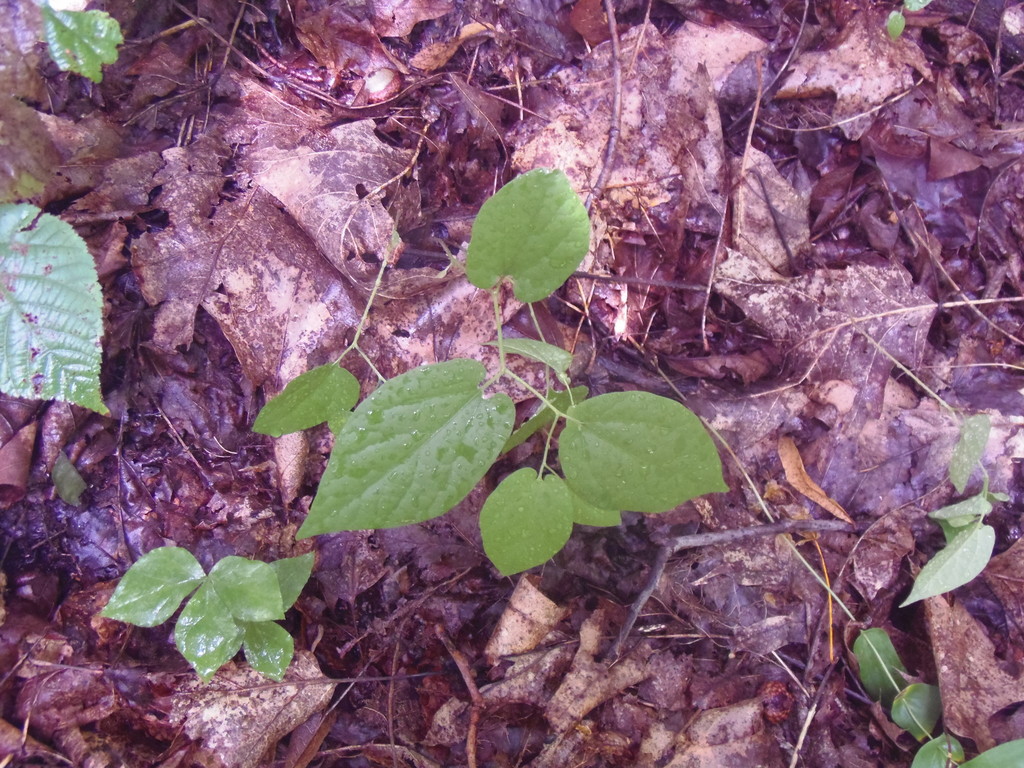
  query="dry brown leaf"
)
[
  {"x": 863, "y": 69},
  {"x": 396, "y": 18},
  {"x": 973, "y": 682},
  {"x": 436, "y": 55},
  {"x": 525, "y": 622},
  {"x": 238, "y": 717},
  {"x": 793, "y": 465},
  {"x": 590, "y": 682},
  {"x": 727, "y": 736}
]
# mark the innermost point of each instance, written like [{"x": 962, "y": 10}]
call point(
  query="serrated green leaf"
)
[
  {"x": 206, "y": 634},
  {"x": 916, "y": 709},
  {"x": 81, "y": 41},
  {"x": 309, "y": 399},
  {"x": 249, "y": 589},
  {"x": 525, "y": 521},
  {"x": 562, "y": 400},
  {"x": 1009, "y": 754},
  {"x": 268, "y": 648},
  {"x": 967, "y": 454},
  {"x": 554, "y": 357},
  {"x": 534, "y": 230},
  {"x": 66, "y": 480},
  {"x": 585, "y": 513},
  {"x": 938, "y": 752},
  {"x": 292, "y": 575},
  {"x": 880, "y": 665},
  {"x": 895, "y": 24},
  {"x": 954, "y": 565},
  {"x": 154, "y": 587},
  {"x": 412, "y": 450},
  {"x": 50, "y": 310},
  {"x": 637, "y": 451},
  {"x": 963, "y": 512}
]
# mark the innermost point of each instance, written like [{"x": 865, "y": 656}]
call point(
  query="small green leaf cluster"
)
[
  {"x": 421, "y": 441},
  {"x": 81, "y": 41},
  {"x": 969, "y": 541},
  {"x": 234, "y": 606},
  {"x": 897, "y": 22},
  {"x": 916, "y": 707}
]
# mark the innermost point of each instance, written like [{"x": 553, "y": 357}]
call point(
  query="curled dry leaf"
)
[{"x": 797, "y": 476}]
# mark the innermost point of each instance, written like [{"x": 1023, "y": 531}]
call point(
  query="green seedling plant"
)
[
  {"x": 969, "y": 540},
  {"x": 234, "y": 606},
  {"x": 418, "y": 444},
  {"x": 897, "y": 21},
  {"x": 917, "y": 707}
]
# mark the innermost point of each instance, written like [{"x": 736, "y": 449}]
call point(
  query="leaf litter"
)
[{"x": 799, "y": 281}]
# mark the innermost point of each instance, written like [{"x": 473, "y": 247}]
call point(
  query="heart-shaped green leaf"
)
[
  {"x": 154, "y": 587},
  {"x": 585, "y": 513},
  {"x": 309, "y": 399},
  {"x": 637, "y": 451},
  {"x": 268, "y": 648},
  {"x": 292, "y": 575},
  {"x": 940, "y": 752},
  {"x": 412, "y": 450},
  {"x": 534, "y": 230},
  {"x": 249, "y": 589},
  {"x": 1009, "y": 754},
  {"x": 206, "y": 634},
  {"x": 525, "y": 521}
]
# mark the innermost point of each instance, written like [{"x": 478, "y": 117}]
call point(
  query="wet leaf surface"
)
[{"x": 814, "y": 276}]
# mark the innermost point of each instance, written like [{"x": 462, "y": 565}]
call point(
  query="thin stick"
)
[
  {"x": 475, "y": 699},
  {"x": 616, "y": 123},
  {"x": 769, "y": 529}
]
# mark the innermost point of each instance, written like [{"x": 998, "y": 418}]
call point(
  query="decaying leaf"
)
[
  {"x": 526, "y": 620},
  {"x": 797, "y": 476},
  {"x": 863, "y": 69},
  {"x": 238, "y": 717}
]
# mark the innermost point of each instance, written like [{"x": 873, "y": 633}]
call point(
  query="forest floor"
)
[{"x": 806, "y": 231}]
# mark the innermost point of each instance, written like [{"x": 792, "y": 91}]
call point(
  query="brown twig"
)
[
  {"x": 616, "y": 121},
  {"x": 476, "y": 701}
]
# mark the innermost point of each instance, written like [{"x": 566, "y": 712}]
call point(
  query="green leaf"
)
[
  {"x": 916, "y": 709},
  {"x": 1010, "y": 753},
  {"x": 562, "y": 400},
  {"x": 957, "y": 563},
  {"x": 534, "y": 230},
  {"x": 81, "y": 41},
  {"x": 206, "y": 634},
  {"x": 554, "y": 357},
  {"x": 412, "y": 450},
  {"x": 309, "y": 399},
  {"x": 963, "y": 512},
  {"x": 880, "y": 665},
  {"x": 525, "y": 521},
  {"x": 938, "y": 753},
  {"x": 637, "y": 451},
  {"x": 154, "y": 587},
  {"x": 50, "y": 310},
  {"x": 967, "y": 454},
  {"x": 292, "y": 575},
  {"x": 916, "y": 5},
  {"x": 66, "y": 480},
  {"x": 585, "y": 513},
  {"x": 895, "y": 24},
  {"x": 268, "y": 648},
  {"x": 249, "y": 589}
]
